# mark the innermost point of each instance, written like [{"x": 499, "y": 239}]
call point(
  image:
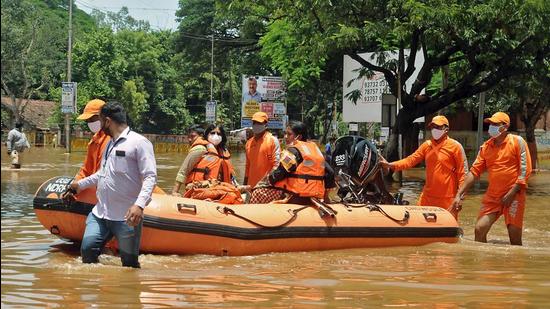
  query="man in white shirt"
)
[{"x": 125, "y": 182}]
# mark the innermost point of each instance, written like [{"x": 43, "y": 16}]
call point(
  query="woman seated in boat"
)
[
  {"x": 195, "y": 136},
  {"x": 213, "y": 178},
  {"x": 302, "y": 172},
  {"x": 215, "y": 163}
]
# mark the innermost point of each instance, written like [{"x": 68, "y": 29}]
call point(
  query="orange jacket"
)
[
  {"x": 308, "y": 179},
  {"x": 94, "y": 153},
  {"x": 199, "y": 141},
  {"x": 508, "y": 163},
  {"x": 223, "y": 192},
  {"x": 214, "y": 164},
  {"x": 446, "y": 166},
  {"x": 263, "y": 155}
]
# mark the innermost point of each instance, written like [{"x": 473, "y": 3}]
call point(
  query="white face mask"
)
[
  {"x": 94, "y": 126},
  {"x": 214, "y": 139},
  {"x": 494, "y": 131},
  {"x": 437, "y": 133},
  {"x": 258, "y": 128}
]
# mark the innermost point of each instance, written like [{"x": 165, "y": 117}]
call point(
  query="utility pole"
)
[
  {"x": 212, "y": 68},
  {"x": 444, "y": 85},
  {"x": 69, "y": 77},
  {"x": 399, "y": 136},
  {"x": 481, "y": 110}
]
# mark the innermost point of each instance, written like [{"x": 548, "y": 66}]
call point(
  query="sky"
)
[{"x": 161, "y": 14}]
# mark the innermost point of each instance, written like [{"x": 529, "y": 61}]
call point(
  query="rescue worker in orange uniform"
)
[
  {"x": 262, "y": 151},
  {"x": 215, "y": 163},
  {"x": 506, "y": 157},
  {"x": 196, "y": 152},
  {"x": 446, "y": 166},
  {"x": 302, "y": 170},
  {"x": 99, "y": 140}
]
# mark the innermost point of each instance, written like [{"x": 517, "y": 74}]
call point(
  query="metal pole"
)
[
  {"x": 212, "y": 68},
  {"x": 399, "y": 136},
  {"x": 479, "y": 137},
  {"x": 444, "y": 85},
  {"x": 69, "y": 71}
]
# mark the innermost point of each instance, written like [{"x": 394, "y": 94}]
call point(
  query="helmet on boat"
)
[{"x": 355, "y": 156}]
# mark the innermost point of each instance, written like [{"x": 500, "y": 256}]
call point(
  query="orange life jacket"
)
[
  {"x": 212, "y": 166},
  {"x": 223, "y": 192},
  {"x": 199, "y": 141},
  {"x": 308, "y": 179}
]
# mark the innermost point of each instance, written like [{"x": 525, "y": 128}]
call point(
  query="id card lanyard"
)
[{"x": 110, "y": 148}]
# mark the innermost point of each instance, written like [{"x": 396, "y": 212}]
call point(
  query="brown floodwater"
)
[{"x": 39, "y": 270}]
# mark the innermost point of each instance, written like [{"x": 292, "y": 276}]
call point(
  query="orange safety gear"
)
[
  {"x": 308, "y": 179},
  {"x": 498, "y": 117},
  {"x": 260, "y": 117},
  {"x": 199, "y": 141},
  {"x": 508, "y": 164},
  {"x": 439, "y": 120},
  {"x": 91, "y": 109},
  {"x": 441, "y": 202},
  {"x": 94, "y": 153},
  {"x": 212, "y": 165},
  {"x": 262, "y": 154},
  {"x": 223, "y": 192},
  {"x": 513, "y": 213},
  {"x": 446, "y": 167}
]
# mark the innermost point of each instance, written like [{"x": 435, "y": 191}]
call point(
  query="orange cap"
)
[
  {"x": 498, "y": 117},
  {"x": 91, "y": 109},
  {"x": 439, "y": 121},
  {"x": 259, "y": 117}
]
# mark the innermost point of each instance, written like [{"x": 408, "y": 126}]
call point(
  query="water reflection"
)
[{"x": 39, "y": 270}]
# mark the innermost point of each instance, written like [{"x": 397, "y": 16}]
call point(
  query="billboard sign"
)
[
  {"x": 266, "y": 94},
  {"x": 368, "y": 107}
]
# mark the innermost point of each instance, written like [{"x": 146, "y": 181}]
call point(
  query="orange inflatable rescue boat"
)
[{"x": 175, "y": 225}]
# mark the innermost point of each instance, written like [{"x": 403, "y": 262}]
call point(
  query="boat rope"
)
[
  {"x": 375, "y": 207},
  {"x": 294, "y": 213}
]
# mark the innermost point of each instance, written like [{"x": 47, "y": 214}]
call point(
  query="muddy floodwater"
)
[{"x": 41, "y": 271}]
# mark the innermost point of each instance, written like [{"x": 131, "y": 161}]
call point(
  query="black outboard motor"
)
[
  {"x": 356, "y": 157},
  {"x": 355, "y": 162}
]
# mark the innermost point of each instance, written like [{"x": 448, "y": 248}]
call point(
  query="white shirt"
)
[{"x": 127, "y": 176}]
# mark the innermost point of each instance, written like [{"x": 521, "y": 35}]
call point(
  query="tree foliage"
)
[{"x": 34, "y": 44}]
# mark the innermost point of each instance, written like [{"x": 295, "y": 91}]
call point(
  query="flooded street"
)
[{"x": 39, "y": 270}]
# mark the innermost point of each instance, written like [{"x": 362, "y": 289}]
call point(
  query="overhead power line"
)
[{"x": 201, "y": 37}]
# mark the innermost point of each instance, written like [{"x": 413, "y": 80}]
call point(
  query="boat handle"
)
[
  {"x": 187, "y": 208},
  {"x": 430, "y": 216},
  {"x": 54, "y": 230}
]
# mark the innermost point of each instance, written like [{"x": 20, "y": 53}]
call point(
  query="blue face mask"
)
[{"x": 494, "y": 131}]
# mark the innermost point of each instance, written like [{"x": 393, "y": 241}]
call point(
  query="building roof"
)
[{"x": 36, "y": 113}]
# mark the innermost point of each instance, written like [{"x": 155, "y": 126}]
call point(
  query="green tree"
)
[
  {"x": 31, "y": 54},
  {"x": 134, "y": 101},
  {"x": 34, "y": 44},
  {"x": 136, "y": 68}
]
